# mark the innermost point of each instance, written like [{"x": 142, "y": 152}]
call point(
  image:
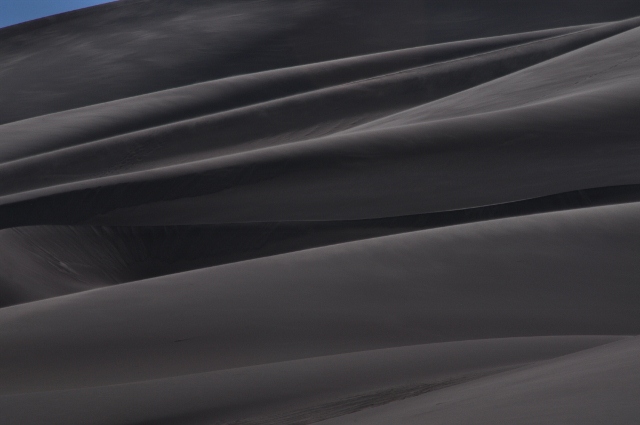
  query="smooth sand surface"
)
[
  {"x": 322, "y": 211},
  {"x": 596, "y": 386}
]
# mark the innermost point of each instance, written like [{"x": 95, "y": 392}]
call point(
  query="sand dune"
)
[
  {"x": 294, "y": 391},
  {"x": 141, "y": 46},
  {"x": 266, "y": 212},
  {"x": 47, "y": 261},
  {"x": 197, "y": 100},
  {"x": 592, "y": 387}
]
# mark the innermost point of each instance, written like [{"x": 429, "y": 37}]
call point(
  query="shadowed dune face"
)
[{"x": 321, "y": 211}]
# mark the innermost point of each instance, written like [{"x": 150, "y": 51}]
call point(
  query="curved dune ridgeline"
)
[{"x": 321, "y": 211}]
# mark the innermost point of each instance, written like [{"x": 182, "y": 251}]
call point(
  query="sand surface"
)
[{"x": 370, "y": 212}]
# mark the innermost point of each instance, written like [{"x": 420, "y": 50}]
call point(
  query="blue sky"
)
[{"x": 16, "y": 11}]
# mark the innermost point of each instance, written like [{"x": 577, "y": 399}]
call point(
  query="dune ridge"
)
[{"x": 179, "y": 104}]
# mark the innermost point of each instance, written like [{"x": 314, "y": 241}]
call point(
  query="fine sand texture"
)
[{"x": 321, "y": 212}]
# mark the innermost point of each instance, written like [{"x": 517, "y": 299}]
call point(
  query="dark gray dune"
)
[
  {"x": 128, "y": 178},
  {"x": 609, "y": 62},
  {"x": 596, "y": 386},
  {"x": 59, "y": 130},
  {"x": 461, "y": 164},
  {"x": 336, "y": 211},
  {"x": 562, "y": 273},
  {"x": 302, "y": 391},
  {"x": 45, "y": 261},
  {"x": 288, "y": 119},
  {"x": 133, "y": 47}
]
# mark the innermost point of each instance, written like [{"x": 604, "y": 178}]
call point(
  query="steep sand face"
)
[{"x": 274, "y": 212}]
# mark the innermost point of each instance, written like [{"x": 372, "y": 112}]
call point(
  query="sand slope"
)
[
  {"x": 593, "y": 387},
  {"x": 266, "y": 212}
]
